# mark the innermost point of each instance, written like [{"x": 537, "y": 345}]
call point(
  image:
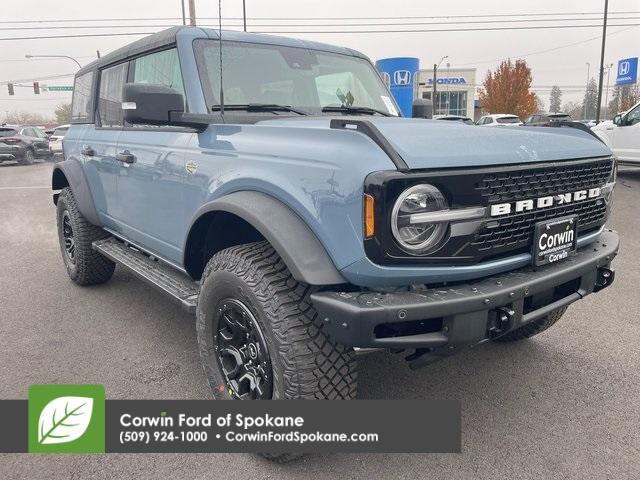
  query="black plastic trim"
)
[
  {"x": 351, "y": 317},
  {"x": 74, "y": 173},
  {"x": 300, "y": 249},
  {"x": 370, "y": 130}
]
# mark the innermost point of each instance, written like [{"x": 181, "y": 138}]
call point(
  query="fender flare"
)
[
  {"x": 303, "y": 254},
  {"x": 76, "y": 180}
]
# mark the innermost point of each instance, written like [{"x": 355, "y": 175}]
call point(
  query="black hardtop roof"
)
[
  {"x": 150, "y": 42},
  {"x": 168, "y": 37}
]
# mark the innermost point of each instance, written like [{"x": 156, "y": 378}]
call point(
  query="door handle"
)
[
  {"x": 88, "y": 151},
  {"x": 126, "y": 157}
]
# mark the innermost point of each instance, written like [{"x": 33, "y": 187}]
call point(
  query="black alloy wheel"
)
[
  {"x": 242, "y": 352},
  {"x": 67, "y": 234}
]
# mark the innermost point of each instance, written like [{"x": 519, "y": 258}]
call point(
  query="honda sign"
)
[{"x": 627, "y": 71}]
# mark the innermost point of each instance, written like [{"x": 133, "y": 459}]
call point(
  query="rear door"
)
[
  {"x": 41, "y": 141},
  {"x": 152, "y": 168}
]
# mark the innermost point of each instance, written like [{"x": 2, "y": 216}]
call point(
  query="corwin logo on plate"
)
[{"x": 66, "y": 418}]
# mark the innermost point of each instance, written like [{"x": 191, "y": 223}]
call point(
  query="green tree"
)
[
  {"x": 590, "y": 101},
  {"x": 63, "y": 113},
  {"x": 555, "y": 99}
]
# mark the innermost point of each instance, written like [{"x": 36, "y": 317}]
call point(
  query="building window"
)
[{"x": 450, "y": 103}]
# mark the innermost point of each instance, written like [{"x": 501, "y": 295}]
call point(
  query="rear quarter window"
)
[{"x": 82, "y": 102}]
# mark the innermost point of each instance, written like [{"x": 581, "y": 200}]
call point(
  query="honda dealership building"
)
[
  {"x": 455, "y": 90},
  {"x": 455, "y": 87}
]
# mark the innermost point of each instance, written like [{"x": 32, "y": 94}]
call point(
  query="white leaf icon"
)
[{"x": 64, "y": 419}]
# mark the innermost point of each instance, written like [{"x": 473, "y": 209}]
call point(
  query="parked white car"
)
[
  {"x": 622, "y": 135},
  {"x": 55, "y": 140},
  {"x": 499, "y": 120}
]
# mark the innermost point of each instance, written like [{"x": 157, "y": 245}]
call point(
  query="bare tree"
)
[
  {"x": 63, "y": 113},
  {"x": 27, "y": 118}
]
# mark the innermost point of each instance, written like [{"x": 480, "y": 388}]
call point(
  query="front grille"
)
[
  {"x": 516, "y": 232},
  {"x": 497, "y": 237},
  {"x": 532, "y": 183}
]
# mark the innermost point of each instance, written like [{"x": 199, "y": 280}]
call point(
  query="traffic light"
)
[
  {"x": 36, "y": 88},
  {"x": 10, "y": 87}
]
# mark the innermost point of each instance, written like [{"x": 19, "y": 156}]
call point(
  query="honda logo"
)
[
  {"x": 623, "y": 68},
  {"x": 402, "y": 77}
]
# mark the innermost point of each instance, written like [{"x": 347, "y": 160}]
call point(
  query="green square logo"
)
[{"x": 66, "y": 418}]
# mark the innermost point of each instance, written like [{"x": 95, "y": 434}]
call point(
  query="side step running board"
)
[{"x": 175, "y": 284}]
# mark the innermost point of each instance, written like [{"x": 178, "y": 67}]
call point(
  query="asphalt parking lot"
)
[{"x": 562, "y": 405}]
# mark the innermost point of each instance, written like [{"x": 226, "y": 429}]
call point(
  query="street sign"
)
[
  {"x": 60, "y": 88},
  {"x": 627, "y": 71}
]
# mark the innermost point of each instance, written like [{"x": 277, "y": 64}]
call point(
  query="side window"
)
[
  {"x": 160, "y": 68},
  {"x": 81, "y": 105},
  {"x": 634, "y": 116},
  {"x": 110, "y": 96}
]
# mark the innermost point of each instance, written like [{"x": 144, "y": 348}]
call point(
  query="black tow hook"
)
[
  {"x": 501, "y": 322},
  {"x": 604, "y": 279}
]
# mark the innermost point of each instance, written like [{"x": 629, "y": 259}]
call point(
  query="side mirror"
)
[
  {"x": 151, "y": 104},
  {"x": 617, "y": 120},
  {"x": 422, "y": 108}
]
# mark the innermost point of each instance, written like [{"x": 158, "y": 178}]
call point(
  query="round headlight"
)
[{"x": 413, "y": 234}]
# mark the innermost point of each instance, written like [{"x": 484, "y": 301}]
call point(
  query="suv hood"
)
[{"x": 437, "y": 144}]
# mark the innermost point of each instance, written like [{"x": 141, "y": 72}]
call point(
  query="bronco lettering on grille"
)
[{"x": 543, "y": 202}]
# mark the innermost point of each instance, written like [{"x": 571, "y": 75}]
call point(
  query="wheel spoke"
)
[{"x": 242, "y": 352}]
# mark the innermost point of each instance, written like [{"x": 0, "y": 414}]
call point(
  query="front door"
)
[
  {"x": 152, "y": 168},
  {"x": 626, "y": 142}
]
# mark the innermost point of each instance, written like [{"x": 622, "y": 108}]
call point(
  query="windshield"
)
[
  {"x": 7, "y": 132},
  {"x": 306, "y": 80},
  {"x": 508, "y": 120}
]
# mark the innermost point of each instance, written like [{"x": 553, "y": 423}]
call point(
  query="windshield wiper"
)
[
  {"x": 259, "y": 107},
  {"x": 366, "y": 110}
]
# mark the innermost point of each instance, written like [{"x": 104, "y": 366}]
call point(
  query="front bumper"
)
[{"x": 444, "y": 320}]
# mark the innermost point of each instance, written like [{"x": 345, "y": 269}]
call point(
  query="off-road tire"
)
[
  {"x": 88, "y": 267},
  {"x": 533, "y": 328},
  {"x": 305, "y": 363},
  {"x": 28, "y": 158}
]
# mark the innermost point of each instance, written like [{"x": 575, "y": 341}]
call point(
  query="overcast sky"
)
[{"x": 481, "y": 49}]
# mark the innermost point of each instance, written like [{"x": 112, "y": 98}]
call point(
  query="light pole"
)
[
  {"x": 244, "y": 15},
  {"x": 604, "y": 38},
  {"x": 55, "y": 56},
  {"x": 586, "y": 89},
  {"x": 435, "y": 77},
  {"x": 606, "y": 95}
]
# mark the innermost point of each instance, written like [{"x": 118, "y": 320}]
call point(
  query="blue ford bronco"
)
[{"x": 271, "y": 186}]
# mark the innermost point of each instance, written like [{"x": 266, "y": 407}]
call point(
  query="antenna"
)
[{"x": 220, "y": 40}]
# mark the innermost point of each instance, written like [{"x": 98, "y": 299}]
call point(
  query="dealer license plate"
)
[{"x": 554, "y": 240}]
